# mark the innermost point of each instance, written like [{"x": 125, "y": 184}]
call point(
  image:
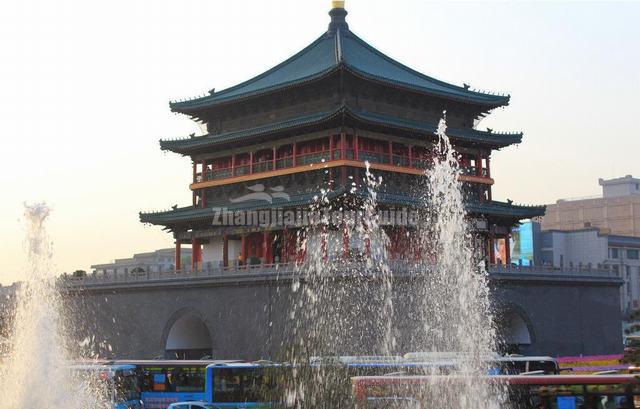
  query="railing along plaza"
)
[{"x": 288, "y": 270}]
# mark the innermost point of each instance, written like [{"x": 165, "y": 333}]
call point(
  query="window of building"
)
[
  {"x": 633, "y": 254},
  {"x": 613, "y": 253}
]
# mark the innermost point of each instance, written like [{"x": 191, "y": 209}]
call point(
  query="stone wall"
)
[{"x": 250, "y": 318}]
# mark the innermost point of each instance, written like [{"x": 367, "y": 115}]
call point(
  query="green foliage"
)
[{"x": 79, "y": 273}]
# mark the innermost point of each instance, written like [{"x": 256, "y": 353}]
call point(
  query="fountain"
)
[
  {"x": 36, "y": 373},
  {"x": 328, "y": 317},
  {"x": 456, "y": 311},
  {"x": 450, "y": 295}
]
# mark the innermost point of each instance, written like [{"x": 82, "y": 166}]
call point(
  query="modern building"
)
[
  {"x": 310, "y": 124},
  {"x": 596, "y": 249},
  {"x": 617, "y": 209},
  {"x": 159, "y": 261}
]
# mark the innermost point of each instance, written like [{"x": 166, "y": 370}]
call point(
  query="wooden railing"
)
[{"x": 323, "y": 156}]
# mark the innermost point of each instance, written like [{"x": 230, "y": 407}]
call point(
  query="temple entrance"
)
[
  {"x": 514, "y": 332},
  {"x": 188, "y": 338}
]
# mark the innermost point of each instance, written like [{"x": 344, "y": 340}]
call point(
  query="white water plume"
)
[
  {"x": 343, "y": 299},
  {"x": 36, "y": 372},
  {"x": 456, "y": 311}
]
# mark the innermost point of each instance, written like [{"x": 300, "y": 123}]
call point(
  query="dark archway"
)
[
  {"x": 514, "y": 331},
  {"x": 188, "y": 338}
]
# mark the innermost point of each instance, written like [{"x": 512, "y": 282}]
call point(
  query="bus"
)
[
  {"x": 498, "y": 365},
  {"x": 518, "y": 364},
  {"x": 265, "y": 384},
  {"x": 118, "y": 383},
  {"x": 523, "y": 391},
  {"x": 439, "y": 363},
  {"x": 163, "y": 382},
  {"x": 246, "y": 384}
]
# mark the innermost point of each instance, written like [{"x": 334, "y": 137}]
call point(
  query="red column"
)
[
  {"x": 343, "y": 146},
  {"x": 507, "y": 249},
  {"x": 265, "y": 247},
  {"x": 233, "y": 164},
  {"x": 225, "y": 251},
  {"x": 196, "y": 253},
  {"x": 274, "y": 158},
  {"x": 390, "y": 153},
  {"x": 492, "y": 249},
  {"x": 355, "y": 148},
  {"x": 410, "y": 156},
  {"x": 488, "y": 169},
  {"x": 285, "y": 246},
  {"x": 478, "y": 165},
  {"x": 295, "y": 153},
  {"x": 193, "y": 193},
  {"x": 243, "y": 250},
  {"x": 178, "y": 256},
  {"x": 330, "y": 147}
]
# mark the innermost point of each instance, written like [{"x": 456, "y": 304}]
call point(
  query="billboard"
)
[{"x": 522, "y": 244}]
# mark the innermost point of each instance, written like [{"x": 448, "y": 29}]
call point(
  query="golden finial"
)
[{"x": 337, "y": 4}]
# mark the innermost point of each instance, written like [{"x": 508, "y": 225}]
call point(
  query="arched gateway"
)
[
  {"x": 514, "y": 331},
  {"x": 188, "y": 338}
]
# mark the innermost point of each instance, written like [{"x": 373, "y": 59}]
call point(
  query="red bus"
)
[{"x": 522, "y": 391}]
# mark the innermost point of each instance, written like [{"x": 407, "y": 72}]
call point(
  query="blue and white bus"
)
[
  {"x": 163, "y": 382},
  {"x": 243, "y": 385},
  {"x": 264, "y": 384},
  {"x": 117, "y": 383}
]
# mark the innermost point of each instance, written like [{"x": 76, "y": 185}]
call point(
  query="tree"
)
[{"x": 79, "y": 273}]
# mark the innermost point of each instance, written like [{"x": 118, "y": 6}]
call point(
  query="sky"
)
[{"x": 85, "y": 86}]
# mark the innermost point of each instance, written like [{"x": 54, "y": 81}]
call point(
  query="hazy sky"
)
[{"x": 85, "y": 86}]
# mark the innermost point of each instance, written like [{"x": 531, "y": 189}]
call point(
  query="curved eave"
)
[
  {"x": 429, "y": 86},
  {"x": 191, "y": 214},
  {"x": 233, "y": 94},
  {"x": 485, "y": 100},
  {"x": 192, "y": 107},
  {"x": 493, "y": 208},
  {"x": 507, "y": 210},
  {"x": 498, "y": 140},
  {"x": 192, "y": 145}
]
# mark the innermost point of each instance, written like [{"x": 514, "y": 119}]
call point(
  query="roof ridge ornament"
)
[{"x": 338, "y": 16}]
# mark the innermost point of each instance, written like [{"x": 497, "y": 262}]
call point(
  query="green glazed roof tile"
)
[
  {"x": 335, "y": 50},
  {"x": 192, "y": 144}
]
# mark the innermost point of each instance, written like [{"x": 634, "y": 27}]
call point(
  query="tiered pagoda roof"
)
[
  {"x": 340, "y": 50},
  {"x": 343, "y": 115},
  {"x": 340, "y": 53},
  {"x": 193, "y": 214}
]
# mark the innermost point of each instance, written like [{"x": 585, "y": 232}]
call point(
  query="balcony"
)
[{"x": 295, "y": 158}]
